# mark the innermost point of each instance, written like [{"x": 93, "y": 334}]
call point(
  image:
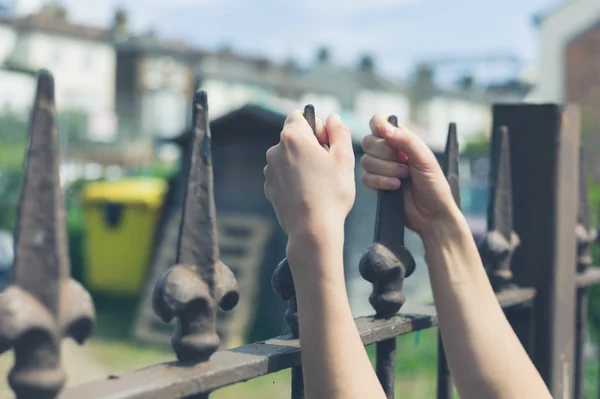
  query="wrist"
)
[
  {"x": 316, "y": 252},
  {"x": 451, "y": 227}
]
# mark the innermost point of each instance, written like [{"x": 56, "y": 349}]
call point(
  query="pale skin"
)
[{"x": 311, "y": 187}]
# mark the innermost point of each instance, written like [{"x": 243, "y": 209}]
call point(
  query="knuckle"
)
[
  {"x": 286, "y": 135},
  {"x": 270, "y": 155}
]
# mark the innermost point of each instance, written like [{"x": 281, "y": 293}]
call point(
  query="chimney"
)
[
  {"x": 366, "y": 63},
  {"x": 323, "y": 55},
  {"x": 120, "y": 26}
]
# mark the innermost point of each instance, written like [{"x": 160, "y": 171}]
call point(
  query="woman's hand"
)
[
  {"x": 392, "y": 154},
  {"x": 311, "y": 186}
]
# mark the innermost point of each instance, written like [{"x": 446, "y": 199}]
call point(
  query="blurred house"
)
[
  {"x": 233, "y": 81},
  {"x": 355, "y": 93},
  {"x": 569, "y": 36},
  {"x": 81, "y": 58},
  {"x": 155, "y": 81}
]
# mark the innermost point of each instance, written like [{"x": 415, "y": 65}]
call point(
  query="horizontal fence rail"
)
[
  {"x": 227, "y": 367},
  {"x": 536, "y": 253}
]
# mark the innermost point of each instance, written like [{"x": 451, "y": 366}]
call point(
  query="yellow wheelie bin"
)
[{"x": 120, "y": 222}]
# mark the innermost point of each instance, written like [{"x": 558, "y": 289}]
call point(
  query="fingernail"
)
[{"x": 335, "y": 118}]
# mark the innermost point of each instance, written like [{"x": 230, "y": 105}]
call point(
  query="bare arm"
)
[
  {"x": 335, "y": 362},
  {"x": 486, "y": 358},
  {"x": 312, "y": 190}
]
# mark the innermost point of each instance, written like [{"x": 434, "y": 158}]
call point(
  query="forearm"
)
[
  {"x": 486, "y": 358},
  {"x": 335, "y": 363}
]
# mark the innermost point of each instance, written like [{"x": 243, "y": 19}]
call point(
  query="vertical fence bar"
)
[
  {"x": 544, "y": 153},
  {"x": 585, "y": 238},
  {"x": 386, "y": 264},
  {"x": 445, "y": 389},
  {"x": 501, "y": 241},
  {"x": 191, "y": 290},
  {"x": 283, "y": 285},
  {"x": 43, "y": 304}
]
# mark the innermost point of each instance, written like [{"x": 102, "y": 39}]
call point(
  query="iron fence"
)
[{"x": 536, "y": 252}]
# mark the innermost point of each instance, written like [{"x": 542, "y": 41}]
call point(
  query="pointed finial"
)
[
  {"x": 500, "y": 241},
  {"x": 451, "y": 158},
  {"x": 43, "y": 304},
  {"x": 192, "y": 290}
]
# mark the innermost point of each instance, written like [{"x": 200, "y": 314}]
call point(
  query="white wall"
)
[
  {"x": 224, "y": 97},
  {"x": 17, "y": 92},
  {"x": 8, "y": 38},
  {"x": 84, "y": 70},
  {"x": 368, "y": 103},
  {"x": 471, "y": 118},
  {"x": 555, "y": 31}
]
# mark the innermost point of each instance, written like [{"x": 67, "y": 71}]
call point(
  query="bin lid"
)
[{"x": 142, "y": 190}]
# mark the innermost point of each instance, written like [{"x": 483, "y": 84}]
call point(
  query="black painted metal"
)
[
  {"x": 585, "y": 236},
  {"x": 450, "y": 166},
  {"x": 501, "y": 240},
  {"x": 283, "y": 285},
  {"x": 43, "y": 304},
  {"x": 191, "y": 290},
  {"x": 386, "y": 264}
]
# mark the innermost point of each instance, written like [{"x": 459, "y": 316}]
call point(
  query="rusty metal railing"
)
[{"x": 43, "y": 304}]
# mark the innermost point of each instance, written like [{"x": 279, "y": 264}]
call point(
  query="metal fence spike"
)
[
  {"x": 387, "y": 262},
  {"x": 450, "y": 163},
  {"x": 385, "y": 265},
  {"x": 282, "y": 282},
  {"x": 450, "y": 166},
  {"x": 43, "y": 304},
  {"x": 501, "y": 240},
  {"x": 192, "y": 290}
]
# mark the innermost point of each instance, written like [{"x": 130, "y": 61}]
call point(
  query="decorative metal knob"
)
[
  {"x": 387, "y": 262},
  {"x": 192, "y": 290}
]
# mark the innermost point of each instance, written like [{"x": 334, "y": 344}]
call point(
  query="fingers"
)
[
  {"x": 405, "y": 141},
  {"x": 378, "y": 148},
  {"x": 385, "y": 168},
  {"x": 378, "y": 182},
  {"x": 321, "y": 132},
  {"x": 340, "y": 139}
]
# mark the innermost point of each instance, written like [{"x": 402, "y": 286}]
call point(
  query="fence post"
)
[
  {"x": 385, "y": 265},
  {"x": 544, "y": 150},
  {"x": 445, "y": 388},
  {"x": 192, "y": 290},
  {"x": 43, "y": 304}
]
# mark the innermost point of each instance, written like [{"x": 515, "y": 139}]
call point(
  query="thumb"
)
[
  {"x": 340, "y": 139},
  {"x": 403, "y": 140}
]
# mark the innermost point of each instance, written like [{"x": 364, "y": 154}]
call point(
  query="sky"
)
[{"x": 398, "y": 33}]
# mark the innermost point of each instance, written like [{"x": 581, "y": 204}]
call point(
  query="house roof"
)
[
  {"x": 52, "y": 24},
  {"x": 152, "y": 44}
]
